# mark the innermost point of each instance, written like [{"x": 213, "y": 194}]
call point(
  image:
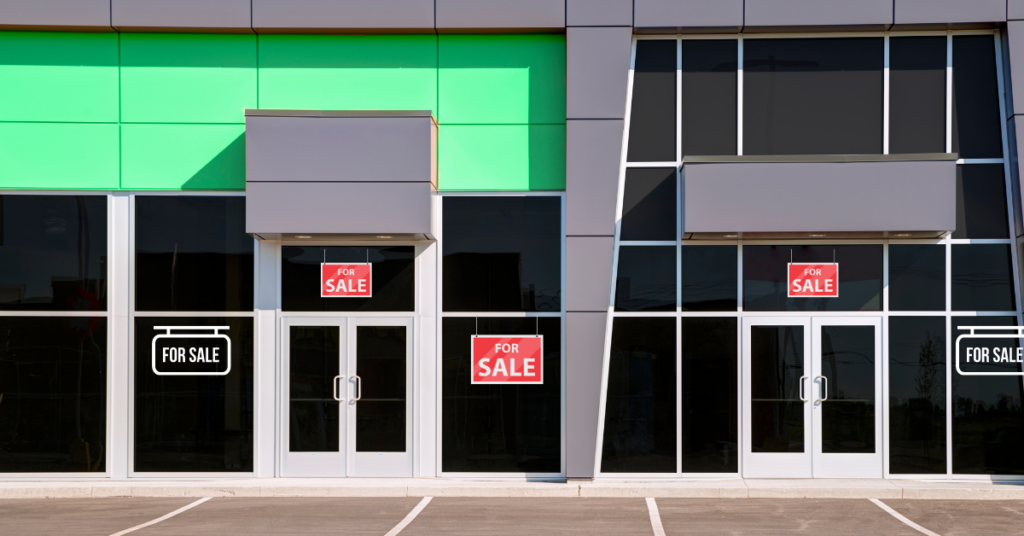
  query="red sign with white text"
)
[
  {"x": 810, "y": 280},
  {"x": 508, "y": 359},
  {"x": 339, "y": 280}
]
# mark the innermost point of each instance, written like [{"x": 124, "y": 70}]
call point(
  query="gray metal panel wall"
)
[
  {"x": 832, "y": 197},
  {"x": 688, "y": 13},
  {"x": 1014, "y": 9},
  {"x": 1014, "y": 74},
  {"x": 599, "y": 12},
  {"x": 500, "y": 14},
  {"x": 1015, "y": 132},
  {"x": 83, "y": 14},
  {"x": 219, "y": 14},
  {"x": 585, "y": 335},
  {"x": 343, "y": 14},
  {"x": 795, "y": 13},
  {"x": 589, "y": 260},
  {"x": 949, "y": 11},
  {"x": 597, "y": 72},
  {"x": 592, "y": 150}
]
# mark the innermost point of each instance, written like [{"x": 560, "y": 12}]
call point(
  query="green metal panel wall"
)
[{"x": 165, "y": 111}]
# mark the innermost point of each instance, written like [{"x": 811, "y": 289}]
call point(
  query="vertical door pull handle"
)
[
  {"x": 359, "y": 388},
  {"x": 337, "y": 380},
  {"x": 802, "y": 378},
  {"x": 824, "y": 387}
]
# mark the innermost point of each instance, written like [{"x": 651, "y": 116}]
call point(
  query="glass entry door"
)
[
  {"x": 812, "y": 397},
  {"x": 347, "y": 397}
]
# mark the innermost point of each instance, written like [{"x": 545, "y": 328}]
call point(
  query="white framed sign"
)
[{"x": 206, "y": 353}]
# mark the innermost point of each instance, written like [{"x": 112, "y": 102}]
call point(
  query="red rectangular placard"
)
[
  {"x": 348, "y": 280},
  {"x": 813, "y": 280},
  {"x": 508, "y": 359}
]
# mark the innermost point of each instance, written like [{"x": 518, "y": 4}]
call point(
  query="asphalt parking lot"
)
[{"x": 413, "y": 516}]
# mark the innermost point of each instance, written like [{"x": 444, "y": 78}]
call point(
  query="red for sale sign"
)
[
  {"x": 346, "y": 280},
  {"x": 508, "y": 359},
  {"x": 810, "y": 280}
]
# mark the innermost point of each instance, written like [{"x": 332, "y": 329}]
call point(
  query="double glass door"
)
[
  {"x": 347, "y": 397},
  {"x": 812, "y": 397}
]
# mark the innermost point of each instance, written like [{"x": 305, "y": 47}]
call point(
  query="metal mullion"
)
[
  {"x": 662, "y": 164},
  {"x": 949, "y": 92},
  {"x": 969, "y": 161},
  {"x": 623, "y": 243},
  {"x": 885, "y": 96},
  {"x": 739, "y": 96},
  {"x": 509, "y": 314},
  {"x": 197, "y": 314},
  {"x": 57, "y": 314}
]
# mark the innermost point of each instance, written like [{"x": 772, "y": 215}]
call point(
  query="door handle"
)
[
  {"x": 359, "y": 388},
  {"x": 824, "y": 387},
  {"x": 337, "y": 380},
  {"x": 802, "y": 378}
]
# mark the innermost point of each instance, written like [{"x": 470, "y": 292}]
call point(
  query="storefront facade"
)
[{"x": 302, "y": 240}]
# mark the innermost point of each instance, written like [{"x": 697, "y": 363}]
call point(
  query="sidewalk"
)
[{"x": 430, "y": 487}]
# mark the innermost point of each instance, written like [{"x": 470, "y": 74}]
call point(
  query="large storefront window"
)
[{"x": 393, "y": 283}]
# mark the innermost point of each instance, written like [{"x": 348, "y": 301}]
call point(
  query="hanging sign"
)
[
  {"x": 206, "y": 353},
  {"x": 508, "y": 359},
  {"x": 990, "y": 351},
  {"x": 348, "y": 280},
  {"x": 813, "y": 280}
]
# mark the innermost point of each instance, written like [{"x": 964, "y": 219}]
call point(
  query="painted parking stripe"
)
[
  {"x": 164, "y": 518},
  {"x": 408, "y": 519},
  {"x": 652, "y": 508},
  {"x": 903, "y": 518}
]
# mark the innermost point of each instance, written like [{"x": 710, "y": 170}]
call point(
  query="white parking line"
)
[
  {"x": 652, "y": 508},
  {"x": 408, "y": 519},
  {"x": 159, "y": 519},
  {"x": 902, "y": 518}
]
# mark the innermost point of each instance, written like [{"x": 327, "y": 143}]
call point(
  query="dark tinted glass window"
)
[
  {"x": 709, "y": 395},
  {"x": 53, "y": 395},
  {"x": 646, "y": 279},
  {"x": 502, "y": 254},
  {"x": 53, "y": 252},
  {"x": 649, "y": 204},
  {"x": 708, "y": 104},
  {"x": 982, "y": 278},
  {"x": 314, "y": 361},
  {"x": 988, "y": 420},
  {"x": 812, "y": 96},
  {"x": 765, "y": 276},
  {"x": 917, "y": 95},
  {"x": 776, "y": 408},
  {"x": 709, "y": 278},
  {"x": 917, "y": 394},
  {"x": 848, "y": 360},
  {"x": 981, "y": 202},
  {"x": 640, "y": 411},
  {"x": 652, "y": 122},
  {"x": 192, "y": 254},
  {"x": 976, "y": 128},
  {"x": 917, "y": 277},
  {"x": 393, "y": 282},
  {"x": 194, "y": 423},
  {"x": 499, "y": 428},
  {"x": 380, "y": 415}
]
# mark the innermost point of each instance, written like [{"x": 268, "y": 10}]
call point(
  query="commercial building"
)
[{"x": 286, "y": 238}]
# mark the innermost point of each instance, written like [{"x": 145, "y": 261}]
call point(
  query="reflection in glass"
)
[
  {"x": 314, "y": 354},
  {"x": 500, "y": 428},
  {"x": 652, "y": 130},
  {"x": 708, "y": 278},
  {"x": 982, "y": 278},
  {"x": 765, "y": 277},
  {"x": 709, "y": 395},
  {"x": 981, "y": 202},
  {"x": 708, "y": 88},
  {"x": 976, "y": 129},
  {"x": 848, "y": 411},
  {"x": 381, "y": 365},
  {"x": 53, "y": 252},
  {"x": 393, "y": 282},
  {"x": 646, "y": 279},
  {"x": 649, "y": 204},
  {"x": 917, "y": 277},
  {"x": 917, "y": 394},
  {"x": 776, "y": 366},
  {"x": 53, "y": 395},
  {"x": 640, "y": 411}
]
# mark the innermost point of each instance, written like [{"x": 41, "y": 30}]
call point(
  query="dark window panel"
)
[
  {"x": 53, "y": 380},
  {"x": 194, "y": 424},
  {"x": 502, "y": 254},
  {"x": 812, "y": 96},
  {"x": 649, "y": 204},
  {"x": 640, "y": 411},
  {"x": 988, "y": 420},
  {"x": 776, "y": 366},
  {"x": 765, "y": 277},
  {"x": 646, "y": 279},
  {"x": 917, "y": 95},
  {"x": 709, "y": 278},
  {"x": 652, "y": 120},
  {"x": 917, "y": 277},
  {"x": 982, "y": 278},
  {"x": 981, "y": 202},
  {"x": 499, "y": 428},
  {"x": 708, "y": 104},
  {"x": 709, "y": 410},
  {"x": 381, "y": 365},
  {"x": 976, "y": 129},
  {"x": 393, "y": 283},
  {"x": 192, "y": 254},
  {"x": 314, "y": 360},
  {"x": 848, "y": 364},
  {"x": 53, "y": 253},
  {"x": 917, "y": 394}
]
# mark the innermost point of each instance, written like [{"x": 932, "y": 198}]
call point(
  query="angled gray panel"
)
[
  {"x": 592, "y": 150},
  {"x": 342, "y": 14},
  {"x": 584, "y": 353},
  {"x": 949, "y": 11},
  {"x": 1015, "y": 9},
  {"x": 1015, "y": 131},
  {"x": 794, "y": 13},
  {"x": 599, "y": 12},
  {"x": 588, "y": 272},
  {"x": 84, "y": 14},
  {"x": 500, "y": 14},
  {"x": 1014, "y": 53},
  {"x": 597, "y": 72},
  {"x": 688, "y": 13},
  {"x": 221, "y": 14}
]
